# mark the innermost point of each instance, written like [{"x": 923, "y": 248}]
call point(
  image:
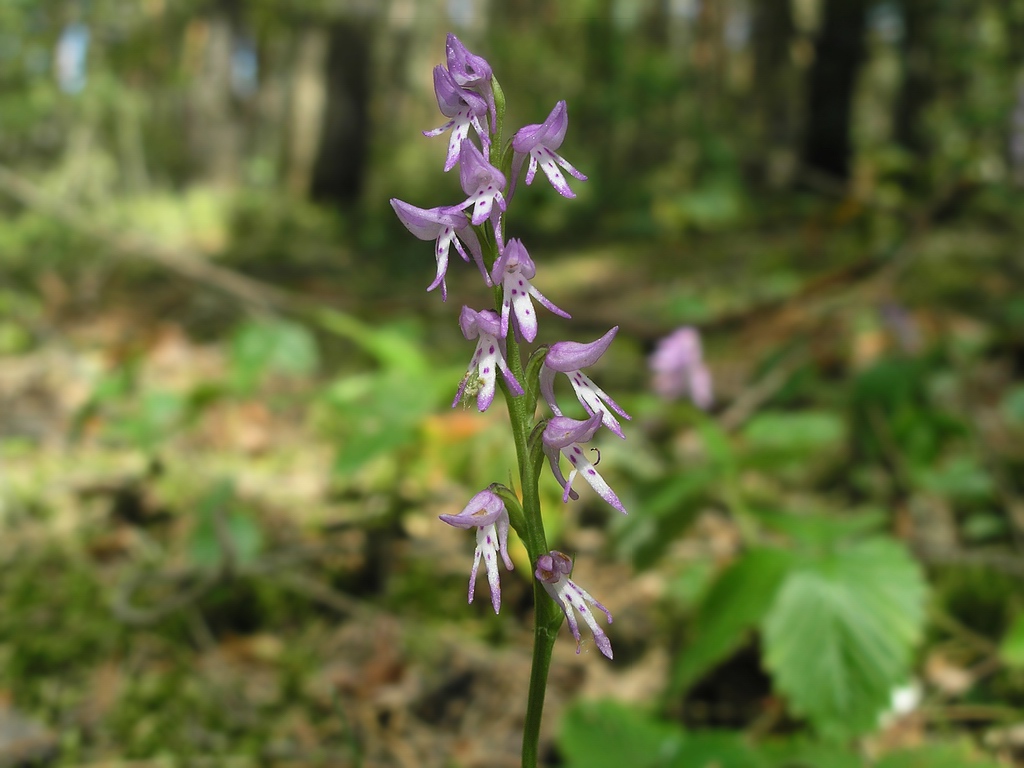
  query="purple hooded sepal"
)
[
  {"x": 487, "y": 357},
  {"x": 561, "y": 431},
  {"x": 486, "y": 513},
  {"x": 539, "y": 142},
  {"x": 471, "y": 71},
  {"x": 445, "y": 225},
  {"x": 562, "y": 437},
  {"x": 568, "y": 357}
]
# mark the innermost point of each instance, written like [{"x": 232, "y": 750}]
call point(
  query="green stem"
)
[
  {"x": 547, "y": 615},
  {"x": 544, "y": 633}
]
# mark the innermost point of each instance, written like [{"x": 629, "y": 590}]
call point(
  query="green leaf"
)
[
  {"x": 264, "y": 347},
  {"x": 607, "y": 734},
  {"x": 669, "y": 505},
  {"x": 717, "y": 445},
  {"x": 153, "y": 419},
  {"x": 377, "y": 413},
  {"x": 839, "y": 635},
  {"x": 937, "y": 756},
  {"x": 817, "y": 530},
  {"x": 803, "y": 752},
  {"x": 734, "y": 605},
  {"x": 1012, "y": 648},
  {"x": 244, "y": 535},
  {"x": 961, "y": 478},
  {"x": 1013, "y": 406},
  {"x": 792, "y": 435},
  {"x": 390, "y": 346},
  {"x": 716, "y": 749}
]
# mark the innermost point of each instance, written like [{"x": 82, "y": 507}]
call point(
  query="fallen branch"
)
[{"x": 190, "y": 265}]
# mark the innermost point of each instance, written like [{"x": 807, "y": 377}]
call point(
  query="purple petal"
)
[
  {"x": 475, "y": 173},
  {"x": 513, "y": 384},
  {"x": 550, "y": 133},
  {"x": 466, "y": 68},
  {"x": 567, "y": 356},
  {"x": 598, "y": 483},
  {"x": 483, "y": 509},
  {"x": 561, "y": 431},
  {"x": 553, "y": 455},
  {"x": 547, "y": 388},
  {"x": 424, "y": 223}
]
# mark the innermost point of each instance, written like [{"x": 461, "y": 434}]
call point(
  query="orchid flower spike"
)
[
  {"x": 470, "y": 71},
  {"x": 679, "y": 369},
  {"x": 540, "y": 143},
  {"x": 553, "y": 573},
  {"x": 483, "y": 183},
  {"x": 564, "y": 435},
  {"x": 513, "y": 270},
  {"x": 446, "y": 226},
  {"x": 486, "y": 512},
  {"x": 480, "y": 377},
  {"x": 465, "y": 109},
  {"x": 569, "y": 357}
]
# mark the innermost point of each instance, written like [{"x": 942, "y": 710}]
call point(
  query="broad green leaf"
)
[
  {"x": 796, "y": 434},
  {"x": 243, "y": 534},
  {"x": 152, "y": 419},
  {"x": 716, "y": 749},
  {"x": 717, "y": 445},
  {"x": 376, "y": 413},
  {"x": 984, "y": 526},
  {"x": 734, "y": 605},
  {"x": 606, "y": 734},
  {"x": 937, "y": 756},
  {"x": 670, "y": 506},
  {"x": 276, "y": 346},
  {"x": 391, "y": 347},
  {"x": 961, "y": 478},
  {"x": 803, "y": 752},
  {"x": 1012, "y": 648},
  {"x": 839, "y": 634},
  {"x": 1013, "y": 405},
  {"x": 818, "y": 530}
]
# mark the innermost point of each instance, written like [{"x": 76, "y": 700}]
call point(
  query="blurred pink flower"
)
[{"x": 679, "y": 369}]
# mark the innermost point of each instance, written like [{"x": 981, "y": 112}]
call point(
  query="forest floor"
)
[{"x": 186, "y": 578}]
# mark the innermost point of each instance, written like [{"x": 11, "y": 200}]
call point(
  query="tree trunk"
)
[
  {"x": 774, "y": 86},
  {"x": 214, "y": 131},
  {"x": 306, "y": 110},
  {"x": 918, "y": 87},
  {"x": 838, "y": 54},
  {"x": 344, "y": 141}
]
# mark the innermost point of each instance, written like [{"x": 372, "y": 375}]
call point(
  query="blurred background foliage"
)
[{"x": 224, "y": 422}]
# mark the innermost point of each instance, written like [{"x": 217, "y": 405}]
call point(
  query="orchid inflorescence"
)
[{"x": 471, "y": 98}]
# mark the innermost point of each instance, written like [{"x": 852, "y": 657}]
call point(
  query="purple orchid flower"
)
[
  {"x": 513, "y": 270},
  {"x": 446, "y": 226},
  {"x": 564, "y": 435},
  {"x": 569, "y": 357},
  {"x": 483, "y": 183},
  {"x": 486, "y": 512},
  {"x": 540, "y": 143},
  {"x": 678, "y": 366},
  {"x": 480, "y": 377},
  {"x": 553, "y": 573},
  {"x": 465, "y": 108},
  {"x": 470, "y": 71}
]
